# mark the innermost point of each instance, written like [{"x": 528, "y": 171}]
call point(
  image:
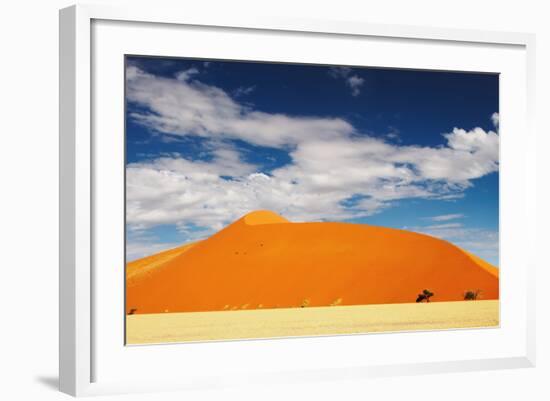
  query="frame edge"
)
[
  {"x": 74, "y": 201},
  {"x": 75, "y": 340},
  {"x": 530, "y": 48},
  {"x": 67, "y": 112}
]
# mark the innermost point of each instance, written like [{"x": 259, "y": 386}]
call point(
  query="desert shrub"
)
[
  {"x": 132, "y": 311},
  {"x": 305, "y": 303},
  {"x": 471, "y": 295},
  {"x": 424, "y": 296}
]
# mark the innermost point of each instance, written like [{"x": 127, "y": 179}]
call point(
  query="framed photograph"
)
[
  {"x": 271, "y": 200},
  {"x": 245, "y": 223}
]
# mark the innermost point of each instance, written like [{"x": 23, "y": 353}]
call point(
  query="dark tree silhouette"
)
[
  {"x": 471, "y": 295},
  {"x": 424, "y": 296}
]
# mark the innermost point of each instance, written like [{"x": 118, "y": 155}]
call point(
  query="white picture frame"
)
[{"x": 81, "y": 346}]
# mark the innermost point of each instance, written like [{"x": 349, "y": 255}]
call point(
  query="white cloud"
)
[
  {"x": 139, "y": 249},
  {"x": 244, "y": 90},
  {"x": 444, "y": 226},
  {"x": 355, "y": 83},
  {"x": 352, "y": 80},
  {"x": 446, "y": 217},
  {"x": 330, "y": 162},
  {"x": 495, "y": 118},
  {"x": 339, "y": 72},
  {"x": 183, "y": 107},
  {"x": 321, "y": 176},
  {"x": 468, "y": 155},
  {"x": 481, "y": 242},
  {"x": 186, "y": 74},
  {"x": 393, "y": 134}
]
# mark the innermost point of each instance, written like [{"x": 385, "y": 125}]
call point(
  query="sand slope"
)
[
  {"x": 264, "y": 261},
  {"x": 138, "y": 269}
]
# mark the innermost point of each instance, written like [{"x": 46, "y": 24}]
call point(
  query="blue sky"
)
[{"x": 208, "y": 141}]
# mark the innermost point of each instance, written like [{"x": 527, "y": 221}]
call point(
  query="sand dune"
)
[
  {"x": 264, "y": 261},
  {"x": 138, "y": 269}
]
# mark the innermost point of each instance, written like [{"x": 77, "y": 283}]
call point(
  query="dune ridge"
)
[{"x": 264, "y": 261}]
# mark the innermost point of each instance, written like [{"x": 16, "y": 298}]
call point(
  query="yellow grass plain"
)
[{"x": 317, "y": 321}]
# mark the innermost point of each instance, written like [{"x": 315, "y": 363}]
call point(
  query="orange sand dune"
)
[
  {"x": 264, "y": 261},
  {"x": 137, "y": 269}
]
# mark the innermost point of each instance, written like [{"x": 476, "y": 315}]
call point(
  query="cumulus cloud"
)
[
  {"x": 188, "y": 107},
  {"x": 314, "y": 186},
  {"x": 334, "y": 173}
]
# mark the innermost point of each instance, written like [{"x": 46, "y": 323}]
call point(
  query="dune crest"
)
[
  {"x": 259, "y": 217},
  {"x": 264, "y": 261}
]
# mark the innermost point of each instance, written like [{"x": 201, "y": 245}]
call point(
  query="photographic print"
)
[{"x": 272, "y": 200}]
